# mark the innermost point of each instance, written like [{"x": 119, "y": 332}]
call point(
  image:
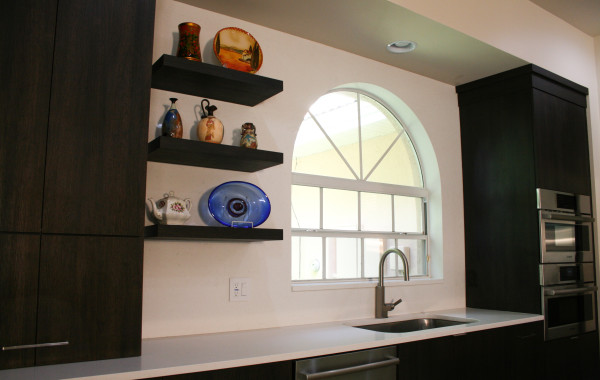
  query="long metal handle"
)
[
  {"x": 347, "y": 370},
  {"x": 563, "y": 292},
  {"x": 573, "y": 218},
  {"x": 38, "y": 345}
]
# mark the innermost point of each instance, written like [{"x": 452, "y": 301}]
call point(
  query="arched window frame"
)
[{"x": 361, "y": 185}]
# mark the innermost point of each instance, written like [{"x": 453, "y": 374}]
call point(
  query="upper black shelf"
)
[
  {"x": 217, "y": 156},
  {"x": 181, "y": 75}
]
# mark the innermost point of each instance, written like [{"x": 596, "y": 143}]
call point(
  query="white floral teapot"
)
[{"x": 171, "y": 210}]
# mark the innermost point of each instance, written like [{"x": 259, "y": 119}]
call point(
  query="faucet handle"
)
[{"x": 392, "y": 305}]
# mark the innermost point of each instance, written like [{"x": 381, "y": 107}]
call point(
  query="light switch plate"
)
[{"x": 239, "y": 289}]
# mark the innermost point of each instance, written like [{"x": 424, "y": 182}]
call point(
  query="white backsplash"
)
[{"x": 186, "y": 283}]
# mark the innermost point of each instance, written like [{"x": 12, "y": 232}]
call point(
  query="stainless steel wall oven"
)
[{"x": 567, "y": 275}]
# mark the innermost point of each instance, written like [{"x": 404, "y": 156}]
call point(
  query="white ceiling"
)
[
  {"x": 365, "y": 27},
  {"x": 582, "y": 14}
]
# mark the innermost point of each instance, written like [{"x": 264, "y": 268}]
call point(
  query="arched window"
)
[{"x": 357, "y": 190}]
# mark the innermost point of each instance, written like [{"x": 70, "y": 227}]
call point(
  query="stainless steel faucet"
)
[{"x": 382, "y": 308}]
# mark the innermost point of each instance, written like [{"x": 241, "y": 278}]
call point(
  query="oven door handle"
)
[
  {"x": 573, "y": 218},
  {"x": 564, "y": 292}
]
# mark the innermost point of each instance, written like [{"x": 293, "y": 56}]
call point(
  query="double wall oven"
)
[{"x": 567, "y": 275}]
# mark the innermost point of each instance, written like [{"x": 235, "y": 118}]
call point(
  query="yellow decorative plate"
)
[{"x": 237, "y": 49}]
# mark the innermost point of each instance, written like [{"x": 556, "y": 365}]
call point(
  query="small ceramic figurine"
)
[
  {"x": 172, "y": 125},
  {"x": 171, "y": 210},
  {"x": 210, "y": 129},
  {"x": 248, "y": 139}
]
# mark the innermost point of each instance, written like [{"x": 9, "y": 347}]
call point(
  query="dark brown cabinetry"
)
[
  {"x": 95, "y": 171},
  {"x": 520, "y": 130},
  {"x": 76, "y": 79},
  {"x": 19, "y": 256},
  {"x": 573, "y": 358},
  {"x": 512, "y": 352},
  {"x": 90, "y": 296},
  {"x": 278, "y": 370},
  {"x": 26, "y": 77}
]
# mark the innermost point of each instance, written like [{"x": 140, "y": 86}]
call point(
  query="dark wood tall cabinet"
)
[
  {"x": 520, "y": 130},
  {"x": 76, "y": 80}
]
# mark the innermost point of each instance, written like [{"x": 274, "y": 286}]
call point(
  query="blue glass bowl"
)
[{"x": 239, "y": 204}]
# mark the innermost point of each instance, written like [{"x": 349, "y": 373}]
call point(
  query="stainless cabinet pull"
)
[
  {"x": 562, "y": 292},
  {"x": 347, "y": 370},
  {"x": 39, "y": 345}
]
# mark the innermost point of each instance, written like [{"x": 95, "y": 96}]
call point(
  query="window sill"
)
[{"x": 304, "y": 286}]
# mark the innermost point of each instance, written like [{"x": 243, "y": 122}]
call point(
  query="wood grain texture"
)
[
  {"x": 27, "y": 44},
  {"x": 278, "y": 370},
  {"x": 520, "y": 130},
  {"x": 19, "y": 263},
  {"x": 512, "y": 352},
  {"x": 561, "y": 145},
  {"x": 90, "y": 296},
  {"x": 97, "y": 136},
  {"x": 501, "y": 227}
]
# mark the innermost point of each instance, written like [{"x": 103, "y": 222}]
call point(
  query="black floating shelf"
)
[
  {"x": 167, "y": 232},
  {"x": 181, "y": 75},
  {"x": 217, "y": 156}
]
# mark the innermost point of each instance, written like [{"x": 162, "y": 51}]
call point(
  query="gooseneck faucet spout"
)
[{"x": 382, "y": 308}]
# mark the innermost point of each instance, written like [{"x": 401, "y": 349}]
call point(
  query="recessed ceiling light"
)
[{"x": 398, "y": 47}]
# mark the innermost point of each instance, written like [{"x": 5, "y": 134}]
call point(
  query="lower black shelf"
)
[{"x": 167, "y": 232}]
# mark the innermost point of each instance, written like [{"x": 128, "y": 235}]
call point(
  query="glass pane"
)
[
  {"x": 314, "y": 154},
  {"x": 374, "y": 248},
  {"x": 337, "y": 114},
  {"x": 408, "y": 214},
  {"x": 376, "y": 212},
  {"x": 379, "y": 129},
  {"x": 343, "y": 258},
  {"x": 400, "y": 165},
  {"x": 340, "y": 209},
  {"x": 306, "y": 207},
  {"x": 307, "y": 257},
  {"x": 416, "y": 252}
]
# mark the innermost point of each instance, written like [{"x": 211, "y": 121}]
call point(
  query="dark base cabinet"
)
[
  {"x": 19, "y": 262},
  {"x": 89, "y": 295},
  {"x": 79, "y": 292},
  {"x": 575, "y": 358},
  {"x": 274, "y": 371},
  {"x": 505, "y": 353}
]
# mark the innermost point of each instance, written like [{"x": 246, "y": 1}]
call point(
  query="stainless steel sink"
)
[{"x": 412, "y": 325}]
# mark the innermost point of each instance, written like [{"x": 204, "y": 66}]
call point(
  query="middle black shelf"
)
[{"x": 217, "y": 156}]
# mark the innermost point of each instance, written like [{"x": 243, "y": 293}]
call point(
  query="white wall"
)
[
  {"x": 186, "y": 283},
  {"x": 529, "y": 32}
]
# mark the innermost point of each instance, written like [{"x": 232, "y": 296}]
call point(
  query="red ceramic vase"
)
[{"x": 189, "y": 46}]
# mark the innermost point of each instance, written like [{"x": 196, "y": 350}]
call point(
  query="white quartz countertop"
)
[{"x": 197, "y": 353}]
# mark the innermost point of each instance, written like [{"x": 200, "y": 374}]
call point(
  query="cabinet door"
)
[
  {"x": 90, "y": 295},
  {"x": 561, "y": 144},
  {"x": 19, "y": 262},
  {"x": 278, "y": 371},
  {"x": 27, "y": 43},
  {"x": 98, "y": 127},
  {"x": 574, "y": 358},
  {"x": 432, "y": 359}
]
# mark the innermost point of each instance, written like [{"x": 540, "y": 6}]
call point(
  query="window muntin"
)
[{"x": 357, "y": 191}]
